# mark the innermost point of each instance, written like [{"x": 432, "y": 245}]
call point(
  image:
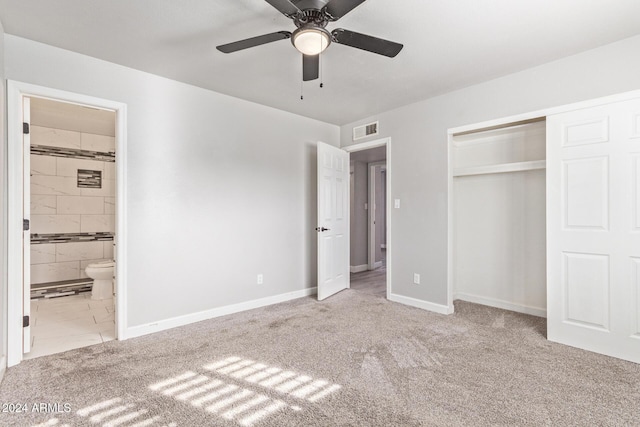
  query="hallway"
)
[{"x": 373, "y": 282}]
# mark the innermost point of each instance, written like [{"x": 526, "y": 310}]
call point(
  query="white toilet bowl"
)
[{"x": 102, "y": 275}]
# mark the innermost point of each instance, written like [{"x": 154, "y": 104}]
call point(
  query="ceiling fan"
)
[{"x": 311, "y": 36}]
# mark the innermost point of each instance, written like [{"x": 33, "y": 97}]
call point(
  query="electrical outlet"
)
[
  {"x": 396, "y": 203},
  {"x": 260, "y": 279},
  {"x": 416, "y": 278}
]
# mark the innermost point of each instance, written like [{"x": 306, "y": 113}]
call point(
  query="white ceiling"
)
[{"x": 449, "y": 44}]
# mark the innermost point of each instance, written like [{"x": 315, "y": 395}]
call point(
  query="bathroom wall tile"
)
[
  {"x": 108, "y": 250},
  {"x": 45, "y": 224},
  {"x": 85, "y": 263},
  {"x": 69, "y": 167},
  {"x": 54, "y": 137},
  {"x": 108, "y": 189},
  {"x": 57, "y": 185},
  {"x": 93, "y": 142},
  {"x": 110, "y": 205},
  {"x": 79, "y": 251},
  {"x": 80, "y": 205},
  {"x": 55, "y": 272},
  {"x": 43, "y": 204},
  {"x": 43, "y": 254},
  {"x": 97, "y": 223},
  {"x": 42, "y": 165},
  {"x": 109, "y": 170}
]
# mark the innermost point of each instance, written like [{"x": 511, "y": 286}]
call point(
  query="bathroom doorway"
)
[
  {"x": 67, "y": 197},
  {"x": 368, "y": 220},
  {"x": 72, "y": 225}
]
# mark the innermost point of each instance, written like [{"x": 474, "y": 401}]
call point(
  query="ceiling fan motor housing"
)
[{"x": 315, "y": 17}]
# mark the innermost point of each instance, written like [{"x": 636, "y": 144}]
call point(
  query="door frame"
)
[
  {"x": 365, "y": 146},
  {"x": 16, "y": 91},
  {"x": 371, "y": 217}
]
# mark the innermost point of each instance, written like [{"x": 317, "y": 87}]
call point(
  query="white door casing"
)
[
  {"x": 593, "y": 229},
  {"x": 333, "y": 220},
  {"x": 26, "y": 237},
  {"x": 17, "y": 187}
]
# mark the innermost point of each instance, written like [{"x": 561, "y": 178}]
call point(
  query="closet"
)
[
  {"x": 498, "y": 191},
  {"x": 545, "y": 220}
]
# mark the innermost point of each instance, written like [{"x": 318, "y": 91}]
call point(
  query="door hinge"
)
[
  {"x": 25, "y": 225},
  {"x": 25, "y": 321},
  {"x": 25, "y": 128}
]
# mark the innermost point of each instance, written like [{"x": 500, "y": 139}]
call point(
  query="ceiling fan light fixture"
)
[{"x": 311, "y": 40}]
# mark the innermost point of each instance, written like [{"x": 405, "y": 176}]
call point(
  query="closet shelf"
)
[{"x": 501, "y": 168}]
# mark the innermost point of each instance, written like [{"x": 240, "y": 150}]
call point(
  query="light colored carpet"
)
[{"x": 354, "y": 359}]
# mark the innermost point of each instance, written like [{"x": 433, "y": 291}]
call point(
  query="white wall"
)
[
  {"x": 419, "y": 158},
  {"x": 3, "y": 196},
  {"x": 219, "y": 189}
]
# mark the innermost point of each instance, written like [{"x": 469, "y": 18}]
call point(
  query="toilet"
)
[{"x": 102, "y": 275}]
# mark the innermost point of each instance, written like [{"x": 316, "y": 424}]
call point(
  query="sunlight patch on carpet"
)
[
  {"x": 112, "y": 413},
  {"x": 242, "y": 390}
]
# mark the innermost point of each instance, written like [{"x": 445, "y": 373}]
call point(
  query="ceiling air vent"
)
[{"x": 364, "y": 131}]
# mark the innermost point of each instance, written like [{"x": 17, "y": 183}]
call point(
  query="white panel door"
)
[
  {"x": 593, "y": 229},
  {"x": 333, "y": 220},
  {"x": 26, "y": 236}
]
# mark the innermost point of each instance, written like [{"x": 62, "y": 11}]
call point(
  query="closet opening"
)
[{"x": 498, "y": 216}]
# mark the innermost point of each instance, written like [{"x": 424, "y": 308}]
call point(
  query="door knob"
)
[{"x": 320, "y": 229}]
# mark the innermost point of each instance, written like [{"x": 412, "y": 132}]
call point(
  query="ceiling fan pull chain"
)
[
  {"x": 320, "y": 59},
  {"x": 320, "y": 63},
  {"x": 301, "y": 91}
]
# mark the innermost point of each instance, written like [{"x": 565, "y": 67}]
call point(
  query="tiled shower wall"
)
[{"x": 59, "y": 206}]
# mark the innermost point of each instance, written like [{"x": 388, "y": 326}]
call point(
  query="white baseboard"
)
[
  {"x": 359, "y": 268},
  {"x": 505, "y": 305},
  {"x": 137, "y": 331},
  {"x": 425, "y": 305},
  {"x": 377, "y": 264}
]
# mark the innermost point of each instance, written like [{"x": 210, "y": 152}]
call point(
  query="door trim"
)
[
  {"x": 15, "y": 92},
  {"x": 365, "y": 146},
  {"x": 371, "y": 200}
]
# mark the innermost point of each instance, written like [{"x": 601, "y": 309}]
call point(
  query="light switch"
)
[{"x": 396, "y": 203}]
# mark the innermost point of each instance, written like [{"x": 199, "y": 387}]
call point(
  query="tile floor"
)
[{"x": 65, "y": 323}]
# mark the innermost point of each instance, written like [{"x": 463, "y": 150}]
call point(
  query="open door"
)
[
  {"x": 593, "y": 229},
  {"x": 333, "y": 220},
  {"x": 26, "y": 236}
]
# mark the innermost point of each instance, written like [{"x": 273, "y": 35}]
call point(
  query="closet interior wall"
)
[{"x": 499, "y": 227}]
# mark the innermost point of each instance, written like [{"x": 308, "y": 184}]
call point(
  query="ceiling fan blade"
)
[
  {"x": 365, "y": 42},
  {"x": 338, "y": 8},
  {"x": 284, "y": 6},
  {"x": 310, "y": 67},
  {"x": 253, "y": 41}
]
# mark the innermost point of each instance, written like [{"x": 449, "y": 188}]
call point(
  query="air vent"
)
[{"x": 365, "y": 131}]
